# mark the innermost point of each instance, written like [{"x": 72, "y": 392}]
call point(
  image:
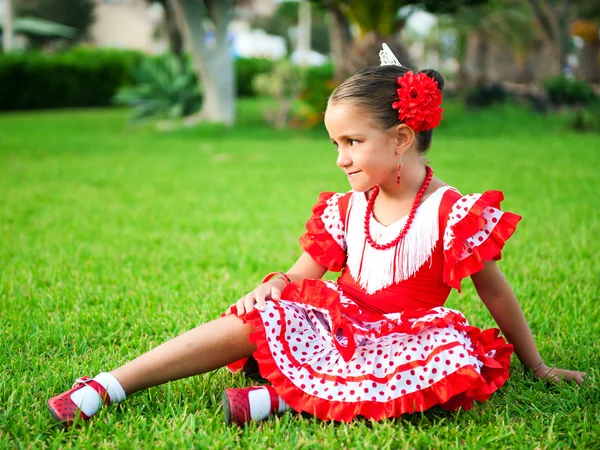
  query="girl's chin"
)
[{"x": 360, "y": 187}]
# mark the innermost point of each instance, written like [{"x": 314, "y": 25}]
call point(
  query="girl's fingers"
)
[
  {"x": 577, "y": 377},
  {"x": 275, "y": 293},
  {"x": 240, "y": 306},
  {"x": 558, "y": 375},
  {"x": 249, "y": 302},
  {"x": 260, "y": 301}
]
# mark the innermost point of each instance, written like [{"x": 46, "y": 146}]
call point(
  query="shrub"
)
[
  {"x": 319, "y": 86},
  {"x": 164, "y": 87},
  {"x": 485, "y": 96},
  {"x": 284, "y": 84},
  {"x": 80, "y": 77},
  {"x": 246, "y": 69},
  {"x": 564, "y": 91},
  {"x": 585, "y": 118}
]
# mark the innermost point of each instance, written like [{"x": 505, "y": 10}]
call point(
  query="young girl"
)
[{"x": 378, "y": 342}]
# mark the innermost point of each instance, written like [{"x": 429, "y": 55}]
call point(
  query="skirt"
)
[{"x": 325, "y": 356}]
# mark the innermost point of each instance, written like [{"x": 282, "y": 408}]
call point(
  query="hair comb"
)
[{"x": 387, "y": 57}]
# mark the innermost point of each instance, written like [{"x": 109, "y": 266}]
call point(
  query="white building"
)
[{"x": 131, "y": 24}]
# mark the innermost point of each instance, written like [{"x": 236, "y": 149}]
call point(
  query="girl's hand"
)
[
  {"x": 256, "y": 297},
  {"x": 556, "y": 375}
]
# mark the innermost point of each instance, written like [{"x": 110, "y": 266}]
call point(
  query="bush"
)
[
  {"x": 283, "y": 84},
  {"x": 246, "y": 70},
  {"x": 77, "y": 78},
  {"x": 165, "y": 87},
  {"x": 319, "y": 86},
  {"x": 485, "y": 96},
  {"x": 585, "y": 118},
  {"x": 564, "y": 91},
  {"x": 87, "y": 77}
]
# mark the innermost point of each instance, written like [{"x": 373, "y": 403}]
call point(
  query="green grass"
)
[{"x": 114, "y": 239}]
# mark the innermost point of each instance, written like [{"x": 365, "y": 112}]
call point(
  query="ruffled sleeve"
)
[
  {"x": 325, "y": 237},
  {"x": 476, "y": 230}
]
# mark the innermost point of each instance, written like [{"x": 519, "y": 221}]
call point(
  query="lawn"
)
[{"x": 114, "y": 239}]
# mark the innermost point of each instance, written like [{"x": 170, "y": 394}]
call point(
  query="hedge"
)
[
  {"x": 90, "y": 77},
  {"x": 80, "y": 77}
]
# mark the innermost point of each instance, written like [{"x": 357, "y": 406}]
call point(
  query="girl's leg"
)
[{"x": 202, "y": 349}]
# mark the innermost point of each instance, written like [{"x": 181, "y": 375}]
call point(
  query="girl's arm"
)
[
  {"x": 500, "y": 300},
  {"x": 304, "y": 268}
]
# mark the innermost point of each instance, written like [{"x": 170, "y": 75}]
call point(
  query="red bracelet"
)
[{"x": 278, "y": 274}]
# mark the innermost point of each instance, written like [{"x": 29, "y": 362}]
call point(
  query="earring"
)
[{"x": 400, "y": 163}]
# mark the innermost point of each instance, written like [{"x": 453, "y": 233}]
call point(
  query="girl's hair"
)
[{"x": 374, "y": 89}]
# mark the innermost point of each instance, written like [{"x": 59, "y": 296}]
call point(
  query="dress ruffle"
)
[
  {"x": 319, "y": 242},
  {"x": 324, "y": 356},
  {"x": 475, "y": 236}
]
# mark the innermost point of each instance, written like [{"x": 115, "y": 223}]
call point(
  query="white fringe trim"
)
[{"x": 375, "y": 269}]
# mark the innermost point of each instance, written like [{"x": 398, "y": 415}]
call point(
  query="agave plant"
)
[{"x": 165, "y": 87}]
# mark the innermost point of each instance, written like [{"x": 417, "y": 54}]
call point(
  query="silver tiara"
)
[{"x": 387, "y": 57}]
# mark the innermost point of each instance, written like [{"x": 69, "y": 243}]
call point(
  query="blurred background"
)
[{"x": 181, "y": 62}]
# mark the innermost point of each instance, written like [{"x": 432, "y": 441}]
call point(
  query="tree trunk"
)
[
  {"x": 589, "y": 61},
  {"x": 304, "y": 27},
  {"x": 481, "y": 60},
  {"x": 212, "y": 59},
  {"x": 7, "y": 30},
  {"x": 175, "y": 38},
  {"x": 341, "y": 42},
  {"x": 589, "y": 56},
  {"x": 564, "y": 36},
  {"x": 553, "y": 21}
]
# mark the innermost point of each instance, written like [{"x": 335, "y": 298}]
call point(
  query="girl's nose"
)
[{"x": 343, "y": 159}]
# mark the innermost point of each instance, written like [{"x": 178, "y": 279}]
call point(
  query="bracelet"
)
[
  {"x": 280, "y": 275},
  {"x": 538, "y": 366}
]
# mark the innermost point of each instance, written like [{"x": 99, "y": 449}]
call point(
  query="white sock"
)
[
  {"x": 89, "y": 401},
  {"x": 260, "y": 404}
]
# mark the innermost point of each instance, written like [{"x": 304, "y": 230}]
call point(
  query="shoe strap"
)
[
  {"x": 95, "y": 386},
  {"x": 274, "y": 400}
]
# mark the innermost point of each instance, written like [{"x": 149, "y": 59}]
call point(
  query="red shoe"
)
[
  {"x": 64, "y": 410},
  {"x": 236, "y": 405}
]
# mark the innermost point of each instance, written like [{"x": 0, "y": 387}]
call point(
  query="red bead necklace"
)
[{"x": 411, "y": 215}]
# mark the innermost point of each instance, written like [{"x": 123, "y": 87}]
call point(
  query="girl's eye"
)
[{"x": 352, "y": 142}]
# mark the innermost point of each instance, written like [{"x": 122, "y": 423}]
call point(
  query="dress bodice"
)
[{"x": 450, "y": 237}]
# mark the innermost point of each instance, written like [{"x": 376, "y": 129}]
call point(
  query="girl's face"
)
[{"x": 366, "y": 152}]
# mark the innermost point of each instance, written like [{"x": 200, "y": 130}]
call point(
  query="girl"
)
[{"x": 378, "y": 342}]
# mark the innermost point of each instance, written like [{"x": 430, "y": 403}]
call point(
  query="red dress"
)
[{"x": 378, "y": 341}]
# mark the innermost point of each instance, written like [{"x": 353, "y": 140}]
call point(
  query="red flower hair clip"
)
[{"x": 419, "y": 100}]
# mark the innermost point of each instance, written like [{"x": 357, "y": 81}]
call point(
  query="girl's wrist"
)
[
  {"x": 277, "y": 282},
  {"x": 538, "y": 367},
  {"x": 278, "y": 279}
]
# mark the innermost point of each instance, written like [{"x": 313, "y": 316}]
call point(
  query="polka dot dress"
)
[{"x": 326, "y": 355}]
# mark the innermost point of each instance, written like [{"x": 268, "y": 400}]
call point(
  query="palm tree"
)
[
  {"x": 482, "y": 31},
  {"x": 553, "y": 17},
  {"x": 375, "y": 23}
]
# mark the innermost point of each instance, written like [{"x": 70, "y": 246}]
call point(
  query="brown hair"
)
[{"x": 374, "y": 89}]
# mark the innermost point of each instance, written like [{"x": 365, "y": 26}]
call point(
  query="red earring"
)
[{"x": 400, "y": 163}]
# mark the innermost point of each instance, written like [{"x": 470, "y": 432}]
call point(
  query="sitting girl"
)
[{"x": 378, "y": 342}]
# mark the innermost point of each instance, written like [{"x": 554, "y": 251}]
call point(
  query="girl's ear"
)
[{"x": 404, "y": 138}]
